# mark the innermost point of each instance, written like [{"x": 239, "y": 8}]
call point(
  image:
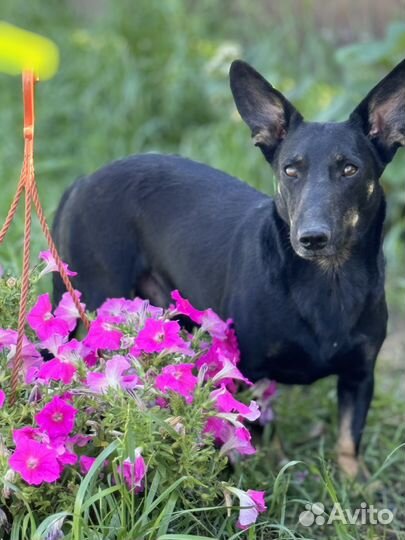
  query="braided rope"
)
[
  {"x": 28, "y": 175},
  {"x": 27, "y": 183},
  {"x": 13, "y": 207}
]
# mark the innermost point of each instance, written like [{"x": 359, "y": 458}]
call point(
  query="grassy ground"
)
[{"x": 157, "y": 81}]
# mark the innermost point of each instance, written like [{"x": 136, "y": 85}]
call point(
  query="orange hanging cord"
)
[{"x": 28, "y": 184}]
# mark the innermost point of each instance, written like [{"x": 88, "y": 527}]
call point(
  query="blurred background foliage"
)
[{"x": 152, "y": 75}]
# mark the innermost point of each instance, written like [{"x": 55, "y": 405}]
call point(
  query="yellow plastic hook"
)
[{"x": 21, "y": 50}]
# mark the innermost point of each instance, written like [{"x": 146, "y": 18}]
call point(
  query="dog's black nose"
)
[{"x": 314, "y": 239}]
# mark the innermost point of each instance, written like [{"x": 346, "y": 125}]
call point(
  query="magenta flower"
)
[
  {"x": 219, "y": 428},
  {"x": 213, "y": 359},
  {"x": 51, "y": 265},
  {"x": 207, "y": 319},
  {"x": 57, "y": 417},
  {"x": 86, "y": 462},
  {"x": 125, "y": 309},
  {"x": 41, "y": 319},
  {"x": 157, "y": 336},
  {"x": 252, "y": 504},
  {"x": 229, "y": 371},
  {"x": 32, "y": 360},
  {"x": 79, "y": 440},
  {"x": 179, "y": 379},
  {"x": 57, "y": 370},
  {"x": 91, "y": 359},
  {"x": 236, "y": 438},
  {"x": 118, "y": 308},
  {"x": 64, "y": 366},
  {"x": 64, "y": 451},
  {"x": 72, "y": 352},
  {"x": 265, "y": 391},
  {"x": 113, "y": 377},
  {"x": 134, "y": 471},
  {"x": 7, "y": 338},
  {"x": 67, "y": 311},
  {"x": 225, "y": 402},
  {"x": 35, "y": 462},
  {"x": 29, "y": 433},
  {"x": 229, "y": 346},
  {"x": 53, "y": 342},
  {"x": 103, "y": 334},
  {"x": 183, "y": 307},
  {"x": 239, "y": 441},
  {"x": 214, "y": 325},
  {"x": 2, "y": 398}
]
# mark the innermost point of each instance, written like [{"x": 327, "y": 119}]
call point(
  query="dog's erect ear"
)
[
  {"x": 264, "y": 109},
  {"x": 381, "y": 114}
]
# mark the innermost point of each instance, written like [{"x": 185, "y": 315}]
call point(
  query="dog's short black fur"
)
[{"x": 301, "y": 275}]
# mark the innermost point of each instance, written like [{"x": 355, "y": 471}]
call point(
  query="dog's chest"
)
[
  {"x": 319, "y": 330},
  {"x": 295, "y": 362}
]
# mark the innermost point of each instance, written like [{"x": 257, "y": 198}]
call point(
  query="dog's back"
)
[{"x": 189, "y": 208}]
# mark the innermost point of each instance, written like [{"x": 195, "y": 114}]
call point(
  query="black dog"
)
[{"x": 301, "y": 275}]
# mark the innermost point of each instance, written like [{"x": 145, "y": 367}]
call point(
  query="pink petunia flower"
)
[
  {"x": 113, "y": 377},
  {"x": 239, "y": 441},
  {"x": 57, "y": 370},
  {"x": 179, "y": 379},
  {"x": 219, "y": 428},
  {"x": 134, "y": 471},
  {"x": 184, "y": 307},
  {"x": 7, "y": 337},
  {"x": 2, "y": 398},
  {"x": 64, "y": 366},
  {"x": 80, "y": 440},
  {"x": 32, "y": 360},
  {"x": 41, "y": 319},
  {"x": 265, "y": 391},
  {"x": 215, "y": 356},
  {"x": 67, "y": 311},
  {"x": 236, "y": 438},
  {"x": 103, "y": 334},
  {"x": 122, "y": 308},
  {"x": 53, "y": 342},
  {"x": 57, "y": 417},
  {"x": 51, "y": 265},
  {"x": 252, "y": 504},
  {"x": 91, "y": 359},
  {"x": 64, "y": 450},
  {"x": 225, "y": 402},
  {"x": 29, "y": 433},
  {"x": 207, "y": 319},
  {"x": 157, "y": 336},
  {"x": 214, "y": 325},
  {"x": 73, "y": 351},
  {"x": 86, "y": 462},
  {"x": 35, "y": 462},
  {"x": 230, "y": 371}
]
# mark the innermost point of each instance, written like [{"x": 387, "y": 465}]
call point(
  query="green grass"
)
[
  {"x": 152, "y": 75},
  {"x": 304, "y": 474}
]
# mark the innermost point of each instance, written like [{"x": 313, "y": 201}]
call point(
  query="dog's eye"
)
[
  {"x": 350, "y": 170},
  {"x": 291, "y": 171}
]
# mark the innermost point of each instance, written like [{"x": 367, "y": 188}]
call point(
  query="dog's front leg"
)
[{"x": 354, "y": 396}]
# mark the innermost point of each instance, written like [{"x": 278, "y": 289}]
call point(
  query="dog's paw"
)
[{"x": 348, "y": 464}]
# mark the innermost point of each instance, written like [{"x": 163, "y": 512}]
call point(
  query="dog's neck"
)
[{"x": 338, "y": 291}]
